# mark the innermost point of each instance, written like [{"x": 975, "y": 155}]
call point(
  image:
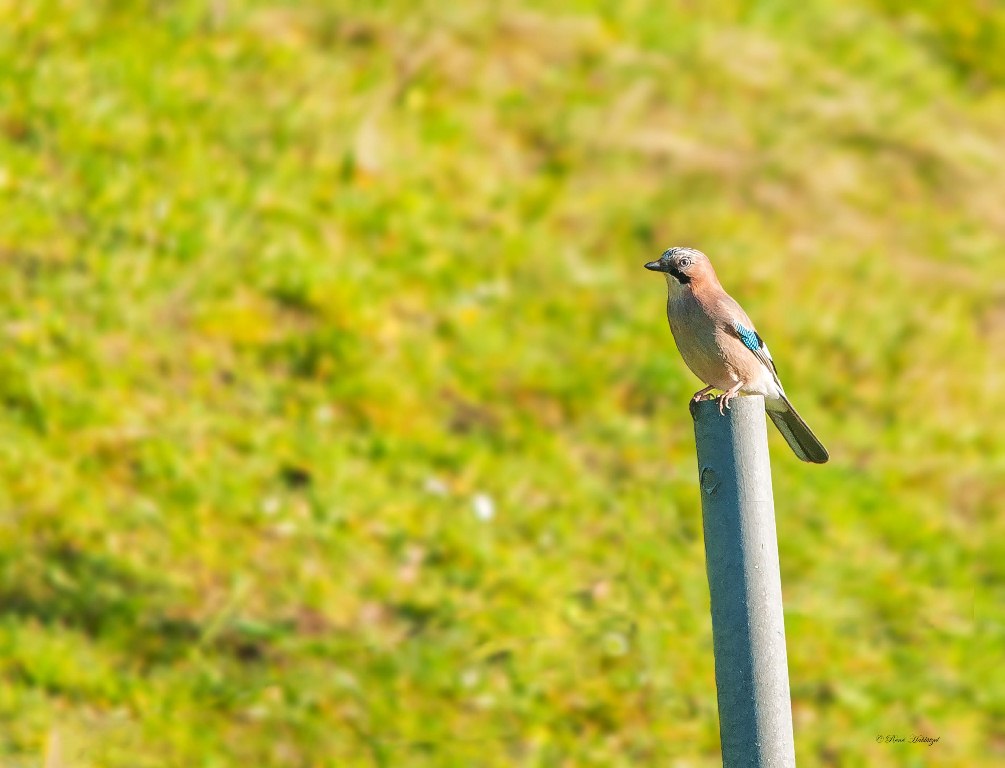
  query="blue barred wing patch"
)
[{"x": 749, "y": 338}]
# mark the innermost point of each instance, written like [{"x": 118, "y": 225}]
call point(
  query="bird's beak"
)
[{"x": 656, "y": 266}]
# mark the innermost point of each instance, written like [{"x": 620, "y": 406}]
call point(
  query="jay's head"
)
[{"x": 683, "y": 264}]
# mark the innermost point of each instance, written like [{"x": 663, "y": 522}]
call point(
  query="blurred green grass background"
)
[{"x": 342, "y": 426}]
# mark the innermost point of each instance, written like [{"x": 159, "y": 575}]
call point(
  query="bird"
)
[{"x": 722, "y": 348}]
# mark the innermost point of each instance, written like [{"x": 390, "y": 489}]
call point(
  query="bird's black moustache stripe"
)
[{"x": 681, "y": 277}]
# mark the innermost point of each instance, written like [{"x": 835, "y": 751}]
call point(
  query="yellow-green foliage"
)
[{"x": 340, "y": 424}]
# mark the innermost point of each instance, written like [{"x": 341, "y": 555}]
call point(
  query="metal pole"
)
[{"x": 741, "y": 558}]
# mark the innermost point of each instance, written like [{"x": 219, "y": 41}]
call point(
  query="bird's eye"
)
[{"x": 685, "y": 262}]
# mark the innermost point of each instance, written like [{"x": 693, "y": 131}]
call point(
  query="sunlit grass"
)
[{"x": 287, "y": 288}]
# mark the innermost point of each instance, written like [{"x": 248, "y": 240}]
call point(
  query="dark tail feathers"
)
[{"x": 798, "y": 435}]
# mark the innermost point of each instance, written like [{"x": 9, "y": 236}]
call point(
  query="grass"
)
[{"x": 288, "y": 286}]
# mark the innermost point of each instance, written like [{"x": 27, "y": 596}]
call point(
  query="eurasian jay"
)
[{"x": 720, "y": 346}]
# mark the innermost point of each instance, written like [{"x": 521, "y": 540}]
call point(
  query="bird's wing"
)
[
  {"x": 737, "y": 322},
  {"x": 727, "y": 312},
  {"x": 752, "y": 340}
]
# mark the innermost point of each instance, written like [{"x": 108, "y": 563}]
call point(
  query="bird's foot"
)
[
  {"x": 697, "y": 397},
  {"x": 724, "y": 399},
  {"x": 701, "y": 394}
]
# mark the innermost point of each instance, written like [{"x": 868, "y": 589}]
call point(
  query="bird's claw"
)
[
  {"x": 702, "y": 394},
  {"x": 724, "y": 402}
]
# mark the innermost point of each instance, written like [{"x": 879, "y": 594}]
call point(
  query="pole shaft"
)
[{"x": 741, "y": 556}]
